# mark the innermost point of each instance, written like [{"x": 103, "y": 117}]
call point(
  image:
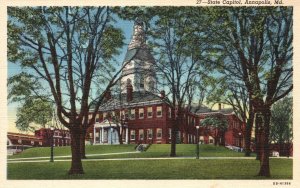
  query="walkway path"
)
[
  {"x": 69, "y": 156},
  {"x": 124, "y": 159}
]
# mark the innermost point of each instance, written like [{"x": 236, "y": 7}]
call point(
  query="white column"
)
[
  {"x": 102, "y": 135},
  {"x": 99, "y": 136},
  {"x": 94, "y": 135},
  {"x": 111, "y": 138},
  {"x": 126, "y": 137}
]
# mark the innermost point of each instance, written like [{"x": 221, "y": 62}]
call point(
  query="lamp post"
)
[
  {"x": 240, "y": 142},
  {"x": 51, "y": 143},
  {"x": 197, "y": 141},
  {"x": 124, "y": 123}
]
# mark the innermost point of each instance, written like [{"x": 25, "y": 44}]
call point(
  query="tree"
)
[
  {"x": 261, "y": 40},
  {"x": 35, "y": 111},
  {"x": 234, "y": 93},
  {"x": 71, "y": 49},
  {"x": 281, "y": 123},
  {"x": 181, "y": 52},
  {"x": 217, "y": 125}
]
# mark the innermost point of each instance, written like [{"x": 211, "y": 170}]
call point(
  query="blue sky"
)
[{"x": 12, "y": 69}]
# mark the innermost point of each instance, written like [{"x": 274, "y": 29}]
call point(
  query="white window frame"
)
[
  {"x": 141, "y": 111},
  {"x": 132, "y": 131},
  {"x": 149, "y": 110},
  {"x": 169, "y": 113},
  {"x": 97, "y": 118},
  {"x": 148, "y": 133},
  {"x": 141, "y": 131},
  {"x": 158, "y": 131},
  {"x": 170, "y": 133},
  {"x": 132, "y": 114},
  {"x": 159, "y": 109}
]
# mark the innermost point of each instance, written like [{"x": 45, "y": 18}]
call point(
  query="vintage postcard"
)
[{"x": 120, "y": 94}]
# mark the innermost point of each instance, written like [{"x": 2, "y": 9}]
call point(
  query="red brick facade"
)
[
  {"x": 138, "y": 85},
  {"x": 156, "y": 128},
  {"x": 41, "y": 138},
  {"x": 23, "y": 140},
  {"x": 60, "y": 137}
]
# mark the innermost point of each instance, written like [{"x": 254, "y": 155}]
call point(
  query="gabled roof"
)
[
  {"x": 205, "y": 110},
  {"x": 139, "y": 98},
  {"x": 200, "y": 109}
]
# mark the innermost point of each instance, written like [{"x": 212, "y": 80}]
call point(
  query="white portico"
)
[{"x": 106, "y": 132}]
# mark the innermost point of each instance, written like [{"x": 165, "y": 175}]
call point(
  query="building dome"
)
[{"x": 139, "y": 62}]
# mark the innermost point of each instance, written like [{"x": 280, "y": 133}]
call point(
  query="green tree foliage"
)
[
  {"x": 215, "y": 121},
  {"x": 216, "y": 124},
  {"x": 256, "y": 47},
  {"x": 182, "y": 52},
  {"x": 33, "y": 113},
  {"x": 34, "y": 110},
  {"x": 281, "y": 130}
]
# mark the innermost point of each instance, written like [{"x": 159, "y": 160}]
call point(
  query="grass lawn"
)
[
  {"x": 66, "y": 150},
  {"x": 162, "y": 150},
  {"x": 153, "y": 169},
  {"x": 155, "y": 150}
]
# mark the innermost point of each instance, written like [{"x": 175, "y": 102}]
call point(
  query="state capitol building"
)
[{"x": 140, "y": 114}]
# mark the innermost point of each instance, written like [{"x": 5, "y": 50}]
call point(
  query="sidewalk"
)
[
  {"x": 57, "y": 158},
  {"x": 69, "y": 156}
]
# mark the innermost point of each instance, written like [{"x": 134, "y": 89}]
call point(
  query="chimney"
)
[
  {"x": 162, "y": 94},
  {"x": 108, "y": 95},
  {"x": 220, "y": 107},
  {"x": 129, "y": 92}
]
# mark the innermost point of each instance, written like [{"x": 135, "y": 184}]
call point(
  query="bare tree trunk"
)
[
  {"x": 223, "y": 139},
  {"x": 63, "y": 138},
  {"x": 249, "y": 126},
  {"x": 258, "y": 122},
  {"x": 173, "y": 140},
  {"x": 76, "y": 164},
  {"x": 216, "y": 138},
  {"x": 82, "y": 144},
  {"x": 264, "y": 162},
  {"x": 120, "y": 134},
  {"x": 175, "y": 121}
]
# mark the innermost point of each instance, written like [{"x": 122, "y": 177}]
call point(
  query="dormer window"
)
[{"x": 142, "y": 80}]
